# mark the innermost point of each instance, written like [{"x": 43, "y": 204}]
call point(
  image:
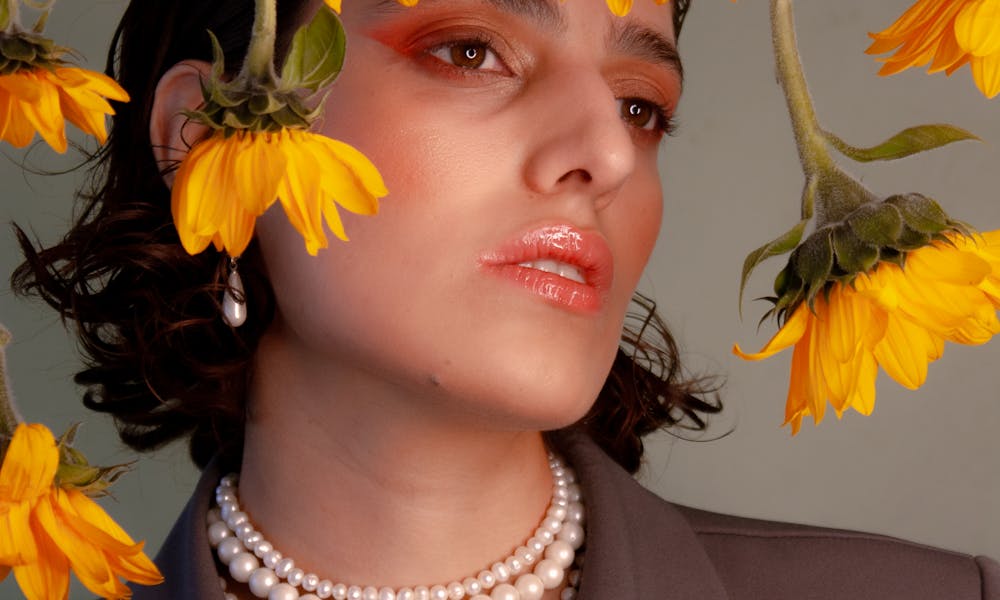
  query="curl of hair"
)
[{"x": 157, "y": 356}]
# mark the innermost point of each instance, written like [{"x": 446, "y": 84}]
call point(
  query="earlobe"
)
[{"x": 170, "y": 131}]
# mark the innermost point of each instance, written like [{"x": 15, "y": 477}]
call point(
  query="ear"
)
[{"x": 170, "y": 132}]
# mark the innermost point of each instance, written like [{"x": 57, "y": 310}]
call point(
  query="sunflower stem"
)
[
  {"x": 259, "y": 64},
  {"x": 10, "y": 417},
  {"x": 9, "y": 15},
  {"x": 814, "y": 154}
]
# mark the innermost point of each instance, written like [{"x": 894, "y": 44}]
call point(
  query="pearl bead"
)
[
  {"x": 574, "y": 578},
  {"x": 324, "y": 589},
  {"x": 487, "y": 579},
  {"x": 574, "y": 492},
  {"x": 243, "y": 530},
  {"x": 480, "y": 597},
  {"x": 271, "y": 558},
  {"x": 369, "y": 593},
  {"x": 535, "y": 545},
  {"x": 354, "y": 593},
  {"x": 310, "y": 582},
  {"x": 226, "y": 508},
  {"x": 501, "y": 572},
  {"x": 386, "y": 594},
  {"x": 549, "y": 572},
  {"x": 295, "y": 576},
  {"x": 283, "y": 567},
  {"x": 572, "y": 533},
  {"x": 252, "y": 539},
  {"x": 340, "y": 592},
  {"x": 527, "y": 556},
  {"x": 242, "y": 566},
  {"x": 567, "y": 594},
  {"x": 456, "y": 591},
  {"x": 229, "y": 596},
  {"x": 283, "y": 591},
  {"x": 561, "y": 492},
  {"x": 309, "y": 597},
  {"x": 405, "y": 594},
  {"x": 552, "y": 524},
  {"x": 229, "y": 479},
  {"x": 228, "y": 548},
  {"x": 261, "y": 582},
  {"x": 530, "y": 587},
  {"x": 236, "y": 518},
  {"x": 472, "y": 586},
  {"x": 515, "y": 565},
  {"x": 575, "y": 513},
  {"x": 545, "y": 535},
  {"x": 217, "y": 532},
  {"x": 561, "y": 552},
  {"x": 421, "y": 593},
  {"x": 263, "y": 548},
  {"x": 558, "y": 512},
  {"x": 504, "y": 591},
  {"x": 438, "y": 592}
]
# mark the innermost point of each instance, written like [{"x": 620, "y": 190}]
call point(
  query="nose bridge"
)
[{"x": 579, "y": 139}]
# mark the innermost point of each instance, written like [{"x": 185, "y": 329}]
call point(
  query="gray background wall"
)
[{"x": 923, "y": 467}]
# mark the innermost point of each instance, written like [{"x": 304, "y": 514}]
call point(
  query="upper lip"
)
[{"x": 583, "y": 248}]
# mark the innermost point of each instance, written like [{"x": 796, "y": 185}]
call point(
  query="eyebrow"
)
[
  {"x": 637, "y": 40},
  {"x": 542, "y": 12}
]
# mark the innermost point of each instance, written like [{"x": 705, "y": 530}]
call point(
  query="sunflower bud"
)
[
  {"x": 873, "y": 232},
  {"x": 26, "y": 50},
  {"x": 76, "y": 472}
]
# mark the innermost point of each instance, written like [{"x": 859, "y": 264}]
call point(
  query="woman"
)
[{"x": 384, "y": 403}]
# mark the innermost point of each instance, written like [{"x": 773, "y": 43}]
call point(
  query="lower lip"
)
[{"x": 558, "y": 290}]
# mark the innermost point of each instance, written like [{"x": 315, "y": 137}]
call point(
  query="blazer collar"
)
[{"x": 638, "y": 545}]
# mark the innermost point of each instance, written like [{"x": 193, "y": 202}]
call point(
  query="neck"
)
[{"x": 384, "y": 486}]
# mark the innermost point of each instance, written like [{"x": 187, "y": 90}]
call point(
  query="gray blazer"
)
[{"x": 641, "y": 547}]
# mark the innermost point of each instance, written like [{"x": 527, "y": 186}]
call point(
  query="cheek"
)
[{"x": 633, "y": 225}]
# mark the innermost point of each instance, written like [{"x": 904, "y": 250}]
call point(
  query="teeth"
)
[{"x": 561, "y": 269}]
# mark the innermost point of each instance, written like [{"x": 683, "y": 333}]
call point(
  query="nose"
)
[{"x": 580, "y": 143}]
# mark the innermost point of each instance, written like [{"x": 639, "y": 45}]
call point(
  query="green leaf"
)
[
  {"x": 909, "y": 141},
  {"x": 784, "y": 243},
  {"x": 317, "y": 53}
]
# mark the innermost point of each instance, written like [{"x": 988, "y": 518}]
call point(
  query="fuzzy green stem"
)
[
  {"x": 259, "y": 64},
  {"x": 9, "y": 415},
  {"x": 9, "y": 17},
  {"x": 813, "y": 150}
]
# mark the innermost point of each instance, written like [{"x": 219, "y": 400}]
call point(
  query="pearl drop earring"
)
[{"x": 234, "y": 301}]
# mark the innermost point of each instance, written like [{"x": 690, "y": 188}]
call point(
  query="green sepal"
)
[
  {"x": 782, "y": 244},
  {"x": 813, "y": 261},
  {"x": 23, "y": 50},
  {"x": 905, "y": 143},
  {"x": 921, "y": 213},
  {"x": 76, "y": 472},
  {"x": 854, "y": 255},
  {"x": 877, "y": 224},
  {"x": 317, "y": 53}
]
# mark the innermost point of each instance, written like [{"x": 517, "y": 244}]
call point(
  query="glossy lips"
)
[{"x": 564, "y": 265}]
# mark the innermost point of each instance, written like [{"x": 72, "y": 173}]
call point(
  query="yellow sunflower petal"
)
[
  {"x": 47, "y": 578},
  {"x": 43, "y": 112},
  {"x": 30, "y": 464},
  {"x": 790, "y": 333},
  {"x": 976, "y": 27},
  {"x": 904, "y": 351},
  {"x": 259, "y": 167},
  {"x": 334, "y": 4},
  {"x": 986, "y": 73},
  {"x": 620, "y": 7},
  {"x": 197, "y": 214},
  {"x": 300, "y": 194},
  {"x": 17, "y": 540}
]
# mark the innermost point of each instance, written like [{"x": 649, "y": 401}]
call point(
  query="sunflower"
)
[
  {"x": 948, "y": 35},
  {"x": 894, "y": 317},
  {"x": 40, "y": 99},
  {"x": 46, "y": 530},
  {"x": 227, "y": 181}
]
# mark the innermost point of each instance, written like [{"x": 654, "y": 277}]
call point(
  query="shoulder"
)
[{"x": 767, "y": 559}]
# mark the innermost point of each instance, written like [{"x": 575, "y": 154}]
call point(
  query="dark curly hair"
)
[{"x": 157, "y": 356}]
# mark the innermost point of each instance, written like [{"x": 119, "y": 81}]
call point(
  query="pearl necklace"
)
[{"x": 551, "y": 549}]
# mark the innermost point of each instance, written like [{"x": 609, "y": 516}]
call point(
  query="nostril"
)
[{"x": 583, "y": 175}]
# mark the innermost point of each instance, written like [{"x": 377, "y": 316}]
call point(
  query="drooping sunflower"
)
[
  {"x": 895, "y": 317},
  {"x": 46, "y": 530},
  {"x": 947, "y": 35},
  {"x": 226, "y": 182},
  {"x": 41, "y": 100}
]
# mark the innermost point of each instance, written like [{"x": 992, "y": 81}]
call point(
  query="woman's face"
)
[{"x": 518, "y": 140}]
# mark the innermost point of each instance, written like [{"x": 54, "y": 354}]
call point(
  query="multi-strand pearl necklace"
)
[{"x": 539, "y": 565}]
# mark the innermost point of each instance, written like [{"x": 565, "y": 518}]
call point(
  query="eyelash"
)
[{"x": 664, "y": 123}]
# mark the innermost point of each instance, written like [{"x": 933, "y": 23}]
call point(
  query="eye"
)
[
  {"x": 472, "y": 55},
  {"x": 644, "y": 115}
]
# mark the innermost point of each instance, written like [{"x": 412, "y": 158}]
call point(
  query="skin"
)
[{"x": 397, "y": 370}]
